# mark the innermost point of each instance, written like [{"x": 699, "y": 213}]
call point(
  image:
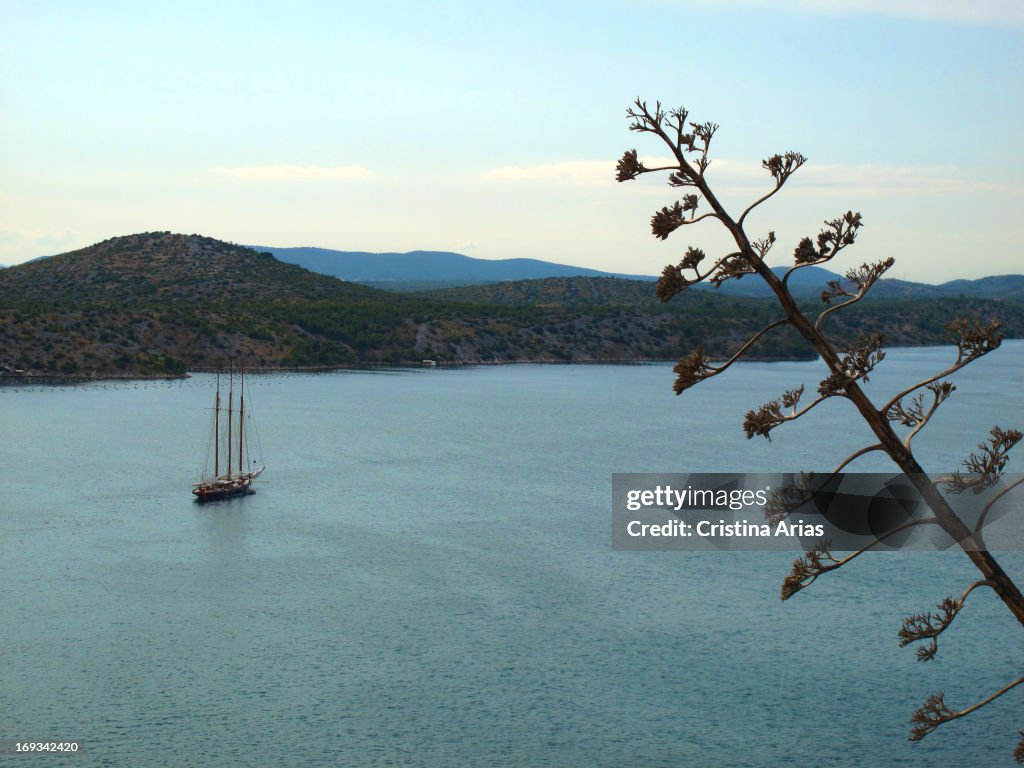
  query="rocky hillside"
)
[{"x": 158, "y": 304}]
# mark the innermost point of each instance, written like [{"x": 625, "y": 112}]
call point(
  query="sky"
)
[{"x": 493, "y": 128}]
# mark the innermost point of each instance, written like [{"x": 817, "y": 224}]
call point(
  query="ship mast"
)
[
  {"x": 231, "y": 392},
  {"x": 241, "y": 417},
  {"x": 216, "y": 431}
]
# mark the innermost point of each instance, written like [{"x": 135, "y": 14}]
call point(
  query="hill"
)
[
  {"x": 906, "y": 322},
  {"x": 153, "y": 303},
  {"x": 808, "y": 282},
  {"x": 416, "y": 268},
  {"x": 158, "y": 304},
  {"x": 432, "y": 270},
  {"x": 572, "y": 291},
  {"x": 995, "y": 287}
]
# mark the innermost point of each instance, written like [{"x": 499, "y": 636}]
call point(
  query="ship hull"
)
[
  {"x": 204, "y": 495},
  {"x": 224, "y": 488}
]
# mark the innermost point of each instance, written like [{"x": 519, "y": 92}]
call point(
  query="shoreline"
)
[
  {"x": 31, "y": 379},
  {"x": 46, "y": 379}
]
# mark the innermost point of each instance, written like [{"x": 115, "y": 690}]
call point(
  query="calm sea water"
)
[{"x": 425, "y": 577}]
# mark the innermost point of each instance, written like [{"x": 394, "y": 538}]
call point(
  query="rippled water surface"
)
[{"x": 425, "y": 577}]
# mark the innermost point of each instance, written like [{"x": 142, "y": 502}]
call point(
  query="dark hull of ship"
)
[{"x": 217, "y": 490}]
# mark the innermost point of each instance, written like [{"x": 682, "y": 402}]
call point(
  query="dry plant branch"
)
[
  {"x": 928, "y": 626},
  {"x": 992, "y": 502},
  {"x": 934, "y": 711},
  {"x": 697, "y": 367},
  {"x": 690, "y": 142},
  {"x": 808, "y": 567}
]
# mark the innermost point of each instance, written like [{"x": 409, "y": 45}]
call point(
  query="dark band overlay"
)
[{"x": 797, "y": 511}]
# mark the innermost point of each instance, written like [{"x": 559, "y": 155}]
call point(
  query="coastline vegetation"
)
[{"x": 159, "y": 304}]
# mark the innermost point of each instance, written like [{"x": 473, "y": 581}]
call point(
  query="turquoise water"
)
[{"x": 425, "y": 577}]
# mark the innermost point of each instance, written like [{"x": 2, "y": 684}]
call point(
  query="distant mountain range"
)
[
  {"x": 809, "y": 281},
  {"x": 427, "y": 270}
]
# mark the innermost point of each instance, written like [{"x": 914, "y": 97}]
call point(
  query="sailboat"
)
[{"x": 240, "y": 468}]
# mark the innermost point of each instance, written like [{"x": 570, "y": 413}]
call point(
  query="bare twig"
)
[
  {"x": 934, "y": 711},
  {"x": 696, "y": 368},
  {"x": 781, "y": 167},
  {"x": 914, "y": 415},
  {"x": 928, "y": 626},
  {"x": 809, "y": 567},
  {"x": 786, "y": 499},
  {"x": 991, "y": 503},
  {"x": 837, "y": 234},
  {"x": 855, "y": 455},
  {"x": 986, "y": 466},
  {"x": 972, "y": 342},
  {"x": 769, "y": 416},
  {"x": 854, "y": 365},
  {"x": 674, "y": 281},
  {"x": 864, "y": 278}
]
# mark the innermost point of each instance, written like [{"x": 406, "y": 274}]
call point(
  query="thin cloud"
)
[
  {"x": 585, "y": 173},
  {"x": 582, "y": 172},
  {"x": 820, "y": 179},
  {"x": 864, "y": 180},
  {"x": 296, "y": 172},
  {"x": 14, "y": 236}
]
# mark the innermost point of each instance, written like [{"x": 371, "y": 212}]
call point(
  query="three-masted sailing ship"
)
[{"x": 240, "y": 467}]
